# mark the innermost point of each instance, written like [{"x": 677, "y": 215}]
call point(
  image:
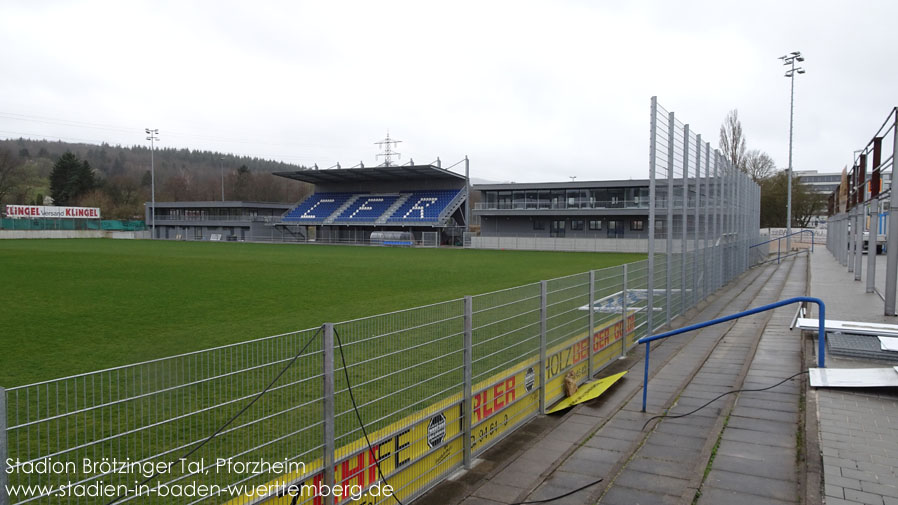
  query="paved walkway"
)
[
  {"x": 858, "y": 428},
  {"x": 668, "y": 462}
]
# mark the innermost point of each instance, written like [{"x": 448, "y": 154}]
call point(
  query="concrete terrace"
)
[{"x": 787, "y": 445}]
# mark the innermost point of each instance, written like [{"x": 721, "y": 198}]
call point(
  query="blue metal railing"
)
[
  {"x": 778, "y": 240},
  {"x": 821, "y": 335}
]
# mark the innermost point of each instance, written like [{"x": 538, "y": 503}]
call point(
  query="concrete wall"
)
[
  {"x": 634, "y": 245},
  {"x": 561, "y": 244},
  {"x": 28, "y": 234}
]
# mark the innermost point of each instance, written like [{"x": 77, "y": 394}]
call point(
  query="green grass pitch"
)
[{"x": 74, "y": 306}]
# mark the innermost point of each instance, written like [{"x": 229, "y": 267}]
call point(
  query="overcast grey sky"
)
[{"x": 531, "y": 91}]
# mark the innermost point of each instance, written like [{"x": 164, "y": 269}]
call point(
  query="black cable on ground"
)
[
  {"x": 665, "y": 416},
  {"x": 232, "y": 419},
  {"x": 547, "y": 500}
]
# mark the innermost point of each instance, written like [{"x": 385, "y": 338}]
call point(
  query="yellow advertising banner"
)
[{"x": 424, "y": 446}]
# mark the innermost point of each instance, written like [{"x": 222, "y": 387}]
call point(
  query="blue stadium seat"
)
[
  {"x": 367, "y": 208},
  {"x": 423, "y": 206},
  {"x": 317, "y": 207}
]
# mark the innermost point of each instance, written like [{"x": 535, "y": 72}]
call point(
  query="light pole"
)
[
  {"x": 789, "y": 60},
  {"x": 221, "y": 166},
  {"x": 152, "y": 137}
]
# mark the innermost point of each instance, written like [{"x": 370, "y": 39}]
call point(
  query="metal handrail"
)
[
  {"x": 821, "y": 335},
  {"x": 779, "y": 256},
  {"x": 789, "y": 235}
]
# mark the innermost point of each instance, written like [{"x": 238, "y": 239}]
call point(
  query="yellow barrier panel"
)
[{"x": 586, "y": 392}]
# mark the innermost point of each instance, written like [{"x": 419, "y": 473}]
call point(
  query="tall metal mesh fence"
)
[{"x": 703, "y": 217}]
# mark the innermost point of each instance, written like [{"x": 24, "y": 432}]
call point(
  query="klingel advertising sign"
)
[{"x": 44, "y": 211}]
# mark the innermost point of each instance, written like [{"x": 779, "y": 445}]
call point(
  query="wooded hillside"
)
[{"x": 122, "y": 176}]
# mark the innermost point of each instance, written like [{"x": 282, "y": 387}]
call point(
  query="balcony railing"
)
[{"x": 548, "y": 205}]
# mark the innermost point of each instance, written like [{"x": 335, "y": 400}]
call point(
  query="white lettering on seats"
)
[
  {"x": 417, "y": 206},
  {"x": 306, "y": 214},
  {"x": 364, "y": 206}
]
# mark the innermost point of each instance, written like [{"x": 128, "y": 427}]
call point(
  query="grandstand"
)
[{"x": 349, "y": 204}]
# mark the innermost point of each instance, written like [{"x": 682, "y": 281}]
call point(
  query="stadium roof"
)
[{"x": 371, "y": 174}]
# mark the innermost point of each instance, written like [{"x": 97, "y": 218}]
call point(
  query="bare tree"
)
[
  {"x": 732, "y": 140},
  {"x": 758, "y": 165}
]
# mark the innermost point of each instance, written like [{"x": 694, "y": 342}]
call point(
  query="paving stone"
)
[
  {"x": 660, "y": 484},
  {"x": 620, "y": 495},
  {"x": 476, "y": 500},
  {"x": 514, "y": 477},
  {"x": 669, "y": 453},
  {"x": 689, "y": 430},
  {"x": 860, "y": 475},
  {"x": 748, "y": 423},
  {"x": 774, "y": 469},
  {"x": 786, "y": 440},
  {"x": 751, "y": 484},
  {"x": 498, "y": 492},
  {"x": 862, "y": 497},
  {"x": 834, "y": 491},
  {"x": 682, "y": 441},
  {"x": 561, "y": 483},
  {"x": 613, "y": 444},
  {"x": 713, "y": 496},
  {"x": 675, "y": 469},
  {"x": 879, "y": 489},
  {"x": 767, "y": 414}
]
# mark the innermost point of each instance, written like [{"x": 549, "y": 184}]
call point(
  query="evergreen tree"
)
[{"x": 70, "y": 179}]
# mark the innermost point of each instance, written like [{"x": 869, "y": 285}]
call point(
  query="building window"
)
[
  {"x": 557, "y": 228},
  {"x": 539, "y": 224},
  {"x": 576, "y": 224},
  {"x": 637, "y": 225},
  {"x": 595, "y": 224}
]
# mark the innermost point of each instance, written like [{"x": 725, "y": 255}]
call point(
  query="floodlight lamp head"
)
[
  {"x": 800, "y": 70},
  {"x": 796, "y": 53},
  {"x": 799, "y": 58}
]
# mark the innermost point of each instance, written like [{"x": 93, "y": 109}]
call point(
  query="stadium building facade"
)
[
  {"x": 214, "y": 220},
  {"x": 589, "y": 209}
]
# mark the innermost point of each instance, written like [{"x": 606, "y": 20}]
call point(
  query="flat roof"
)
[
  {"x": 628, "y": 183},
  {"x": 371, "y": 174},
  {"x": 218, "y": 204}
]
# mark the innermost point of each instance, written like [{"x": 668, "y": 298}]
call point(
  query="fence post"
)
[
  {"x": 871, "y": 244},
  {"x": 650, "y": 265},
  {"x": 695, "y": 226},
  {"x": 468, "y": 364},
  {"x": 592, "y": 320},
  {"x": 892, "y": 245},
  {"x": 4, "y": 449},
  {"x": 543, "y": 289},
  {"x": 623, "y": 304},
  {"x": 671, "y": 137},
  {"x": 859, "y": 241},
  {"x": 685, "y": 219},
  {"x": 852, "y": 241},
  {"x": 329, "y": 432}
]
